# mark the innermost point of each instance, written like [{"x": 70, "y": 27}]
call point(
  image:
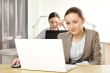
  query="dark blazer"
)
[{"x": 92, "y": 47}]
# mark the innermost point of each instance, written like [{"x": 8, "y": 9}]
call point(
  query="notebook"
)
[
  {"x": 42, "y": 54},
  {"x": 50, "y": 34}
]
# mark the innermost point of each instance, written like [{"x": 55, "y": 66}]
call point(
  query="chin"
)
[{"x": 74, "y": 33}]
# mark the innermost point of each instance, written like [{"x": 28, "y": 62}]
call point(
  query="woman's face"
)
[
  {"x": 74, "y": 23},
  {"x": 54, "y": 22}
]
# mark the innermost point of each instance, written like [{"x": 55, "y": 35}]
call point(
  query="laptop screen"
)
[{"x": 50, "y": 34}]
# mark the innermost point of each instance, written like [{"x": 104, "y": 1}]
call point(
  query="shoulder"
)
[
  {"x": 91, "y": 32},
  {"x": 41, "y": 35},
  {"x": 44, "y": 30},
  {"x": 63, "y": 35}
]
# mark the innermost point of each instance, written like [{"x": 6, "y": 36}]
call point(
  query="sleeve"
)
[
  {"x": 41, "y": 35},
  {"x": 59, "y": 36},
  {"x": 96, "y": 54}
]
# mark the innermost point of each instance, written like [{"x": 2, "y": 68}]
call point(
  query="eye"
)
[
  {"x": 67, "y": 23},
  {"x": 51, "y": 22},
  {"x": 75, "y": 22},
  {"x": 56, "y": 22}
]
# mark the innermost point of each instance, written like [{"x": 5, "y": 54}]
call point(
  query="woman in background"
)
[
  {"x": 81, "y": 45},
  {"x": 55, "y": 24}
]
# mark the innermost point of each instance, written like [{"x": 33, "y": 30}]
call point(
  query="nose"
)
[
  {"x": 54, "y": 24},
  {"x": 71, "y": 26}
]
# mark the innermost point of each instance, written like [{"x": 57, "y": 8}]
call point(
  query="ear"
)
[{"x": 83, "y": 20}]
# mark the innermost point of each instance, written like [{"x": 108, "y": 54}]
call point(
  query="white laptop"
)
[{"x": 42, "y": 54}]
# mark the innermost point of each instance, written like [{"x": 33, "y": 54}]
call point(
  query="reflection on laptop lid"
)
[
  {"x": 42, "y": 54},
  {"x": 50, "y": 34}
]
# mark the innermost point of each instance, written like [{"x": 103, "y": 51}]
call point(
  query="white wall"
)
[
  {"x": 36, "y": 9},
  {"x": 32, "y": 15},
  {"x": 96, "y": 12}
]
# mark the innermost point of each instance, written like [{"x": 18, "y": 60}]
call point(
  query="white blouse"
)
[{"x": 77, "y": 49}]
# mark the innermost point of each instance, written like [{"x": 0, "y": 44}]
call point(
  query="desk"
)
[{"x": 79, "y": 69}]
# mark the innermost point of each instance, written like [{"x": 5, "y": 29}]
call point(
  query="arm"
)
[
  {"x": 41, "y": 35},
  {"x": 96, "y": 53}
]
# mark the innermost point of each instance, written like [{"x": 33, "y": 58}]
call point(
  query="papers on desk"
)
[
  {"x": 70, "y": 67},
  {"x": 83, "y": 63}
]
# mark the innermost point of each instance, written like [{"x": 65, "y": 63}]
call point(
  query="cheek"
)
[
  {"x": 68, "y": 26},
  {"x": 72, "y": 27},
  {"x": 50, "y": 24},
  {"x": 55, "y": 25}
]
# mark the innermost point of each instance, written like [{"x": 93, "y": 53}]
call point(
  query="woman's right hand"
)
[
  {"x": 16, "y": 61},
  {"x": 62, "y": 24}
]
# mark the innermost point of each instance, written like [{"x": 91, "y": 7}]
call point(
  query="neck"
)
[
  {"x": 53, "y": 28},
  {"x": 79, "y": 36}
]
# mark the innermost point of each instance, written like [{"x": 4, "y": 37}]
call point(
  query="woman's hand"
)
[
  {"x": 16, "y": 61},
  {"x": 62, "y": 24}
]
